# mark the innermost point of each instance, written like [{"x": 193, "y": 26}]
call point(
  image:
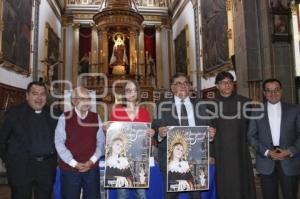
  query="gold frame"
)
[
  {"x": 187, "y": 45},
  {"x": 7, "y": 64},
  {"x": 230, "y": 41},
  {"x": 45, "y": 60}
]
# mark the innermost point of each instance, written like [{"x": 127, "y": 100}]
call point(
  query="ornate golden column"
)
[
  {"x": 94, "y": 49},
  {"x": 75, "y": 61},
  {"x": 103, "y": 50},
  {"x": 141, "y": 53},
  {"x": 159, "y": 69},
  {"x": 133, "y": 52}
]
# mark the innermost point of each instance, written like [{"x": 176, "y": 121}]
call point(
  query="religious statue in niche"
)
[
  {"x": 84, "y": 64},
  {"x": 118, "y": 59},
  {"x": 151, "y": 67}
]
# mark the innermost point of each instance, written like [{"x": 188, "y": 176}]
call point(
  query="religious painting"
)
[
  {"x": 214, "y": 34},
  {"x": 52, "y": 62},
  {"x": 16, "y": 35},
  {"x": 281, "y": 16},
  {"x": 187, "y": 158},
  {"x": 127, "y": 155},
  {"x": 85, "y": 55},
  {"x": 281, "y": 4},
  {"x": 181, "y": 53}
]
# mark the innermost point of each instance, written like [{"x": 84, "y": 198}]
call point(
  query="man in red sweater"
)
[{"x": 79, "y": 141}]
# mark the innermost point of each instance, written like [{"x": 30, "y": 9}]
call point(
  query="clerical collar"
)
[
  {"x": 37, "y": 111},
  {"x": 79, "y": 114}
]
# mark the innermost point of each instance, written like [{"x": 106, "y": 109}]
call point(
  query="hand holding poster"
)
[
  {"x": 127, "y": 155},
  {"x": 187, "y": 158}
]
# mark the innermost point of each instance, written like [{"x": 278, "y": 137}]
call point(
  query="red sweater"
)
[
  {"x": 119, "y": 114},
  {"x": 81, "y": 140}
]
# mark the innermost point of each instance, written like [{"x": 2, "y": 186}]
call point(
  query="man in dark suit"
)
[
  {"x": 275, "y": 135},
  {"x": 27, "y": 146},
  {"x": 169, "y": 114}
]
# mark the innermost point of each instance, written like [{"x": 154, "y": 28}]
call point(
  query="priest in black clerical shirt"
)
[{"x": 27, "y": 146}]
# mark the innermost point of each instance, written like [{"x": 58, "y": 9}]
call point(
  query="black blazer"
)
[
  {"x": 163, "y": 117},
  {"x": 15, "y": 141}
]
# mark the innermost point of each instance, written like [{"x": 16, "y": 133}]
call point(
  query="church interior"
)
[{"x": 98, "y": 43}]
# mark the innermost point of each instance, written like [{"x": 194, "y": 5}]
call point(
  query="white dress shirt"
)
[
  {"x": 189, "y": 109},
  {"x": 274, "y": 114}
]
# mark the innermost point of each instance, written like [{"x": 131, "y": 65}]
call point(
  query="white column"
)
[
  {"x": 94, "y": 49},
  {"x": 75, "y": 55},
  {"x": 165, "y": 54},
  {"x": 295, "y": 33},
  {"x": 159, "y": 67}
]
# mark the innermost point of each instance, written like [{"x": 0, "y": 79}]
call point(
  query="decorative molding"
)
[
  {"x": 55, "y": 8},
  {"x": 294, "y": 9},
  {"x": 76, "y": 26},
  {"x": 197, "y": 43},
  {"x": 179, "y": 11},
  {"x": 228, "y": 5},
  {"x": 229, "y": 33},
  {"x": 36, "y": 40}
]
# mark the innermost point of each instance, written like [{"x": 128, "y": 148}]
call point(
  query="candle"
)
[
  {"x": 95, "y": 57},
  {"x": 135, "y": 56},
  {"x": 90, "y": 58},
  {"x": 101, "y": 55},
  {"x": 147, "y": 56},
  {"x": 6, "y": 103}
]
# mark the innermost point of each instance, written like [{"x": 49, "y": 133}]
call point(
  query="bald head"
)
[
  {"x": 81, "y": 99},
  {"x": 80, "y": 92}
]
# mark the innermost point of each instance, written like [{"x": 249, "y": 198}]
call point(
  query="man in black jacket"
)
[
  {"x": 168, "y": 114},
  {"x": 27, "y": 146}
]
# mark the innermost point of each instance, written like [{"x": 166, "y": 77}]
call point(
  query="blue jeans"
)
[
  {"x": 72, "y": 182},
  {"x": 138, "y": 193}
]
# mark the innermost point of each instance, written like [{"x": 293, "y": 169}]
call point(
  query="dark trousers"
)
[
  {"x": 41, "y": 175},
  {"x": 72, "y": 182},
  {"x": 288, "y": 184},
  {"x": 192, "y": 195}
]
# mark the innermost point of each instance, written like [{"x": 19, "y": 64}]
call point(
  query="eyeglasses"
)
[
  {"x": 83, "y": 98},
  {"x": 185, "y": 83},
  {"x": 130, "y": 90},
  {"x": 275, "y": 91},
  {"x": 225, "y": 82}
]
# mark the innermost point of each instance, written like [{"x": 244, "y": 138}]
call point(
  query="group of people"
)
[{"x": 31, "y": 137}]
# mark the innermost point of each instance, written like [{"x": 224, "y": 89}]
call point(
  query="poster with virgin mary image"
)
[
  {"x": 127, "y": 155},
  {"x": 187, "y": 158}
]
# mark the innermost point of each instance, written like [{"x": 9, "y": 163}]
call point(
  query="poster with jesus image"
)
[
  {"x": 127, "y": 155},
  {"x": 188, "y": 158}
]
